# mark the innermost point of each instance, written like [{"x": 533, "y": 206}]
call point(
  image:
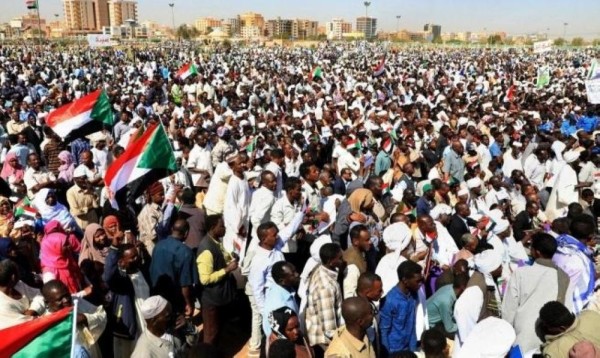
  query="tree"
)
[
  {"x": 578, "y": 41},
  {"x": 559, "y": 42},
  {"x": 596, "y": 42},
  {"x": 494, "y": 40},
  {"x": 186, "y": 32},
  {"x": 437, "y": 40},
  {"x": 208, "y": 30}
]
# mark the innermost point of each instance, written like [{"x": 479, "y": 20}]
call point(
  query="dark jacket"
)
[
  {"x": 121, "y": 312},
  {"x": 522, "y": 223},
  {"x": 339, "y": 187},
  {"x": 457, "y": 228}
]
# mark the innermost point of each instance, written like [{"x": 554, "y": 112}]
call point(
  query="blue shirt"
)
[
  {"x": 397, "y": 320},
  {"x": 172, "y": 268},
  {"x": 382, "y": 163},
  {"x": 277, "y": 297},
  {"x": 424, "y": 206},
  {"x": 495, "y": 150}
]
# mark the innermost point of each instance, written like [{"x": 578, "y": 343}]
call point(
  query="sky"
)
[{"x": 511, "y": 16}]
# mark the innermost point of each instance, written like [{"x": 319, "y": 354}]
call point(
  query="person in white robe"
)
[
  {"x": 565, "y": 190},
  {"x": 14, "y": 310},
  {"x": 468, "y": 306},
  {"x": 492, "y": 337},
  {"x": 530, "y": 287},
  {"x": 513, "y": 253},
  {"x": 260, "y": 206},
  {"x": 535, "y": 169},
  {"x": 214, "y": 200},
  {"x": 512, "y": 159},
  {"x": 397, "y": 237},
  {"x": 235, "y": 210}
]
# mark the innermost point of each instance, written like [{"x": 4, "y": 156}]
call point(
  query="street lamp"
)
[
  {"x": 398, "y": 23},
  {"x": 565, "y": 30},
  {"x": 367, "y": 22},
  {"x": 172, "y": 5}
]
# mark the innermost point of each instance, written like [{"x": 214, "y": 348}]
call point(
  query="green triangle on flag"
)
[
  {"x": 159, "y": 153},
  {"x": 102, "y": 110}
]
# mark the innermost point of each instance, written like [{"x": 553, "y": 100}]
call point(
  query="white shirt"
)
[
  {"x": 215, "y": 196},
  {"x": 511, "y": 163},
  {"x": 260, "y": 211},
  {"x": 101, "y": 159},
  {"x": 563, "y": 193},
  {"x": 292, "y": 167},
  {"x": 387, "y": 270},
  {"x": 199, "y": 159},
  {"x": 282, "y": 214},
  {"x": 347, "y": 160},
  {"x": 535, "y": 171},
  {"x": 235, "y": 214},
  {"x": 276, "y": 170}
]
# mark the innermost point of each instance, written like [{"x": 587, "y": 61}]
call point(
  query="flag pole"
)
[
  {"x": 74, "y": 329},
  {"x": 37, "y": 6}
]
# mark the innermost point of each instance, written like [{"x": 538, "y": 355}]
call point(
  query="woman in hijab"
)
[
  {"x": 94, "y": 246},
  {"x": 6, "y": 217},
  {"x": 49, "y": 208},
  {"x": 13, "y": 173},
  {"x": 66, "y": 168},
  {"x": 112, "y": 227},
  {"x": 285, "y": 325},
  {"x": 57, "y": 257},
  {"x": 356, "y": 207}
]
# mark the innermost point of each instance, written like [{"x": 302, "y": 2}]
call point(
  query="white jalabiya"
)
[
  {"x": 511, "y": 163},
  {"x": 564, "y": 192},
  {"x": 235, "y": 215}
]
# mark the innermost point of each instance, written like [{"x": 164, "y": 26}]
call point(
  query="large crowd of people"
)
[{"x": 446, "y": 206}]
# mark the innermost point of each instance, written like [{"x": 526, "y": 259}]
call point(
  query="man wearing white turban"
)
[
  {"x": 156, "y": 342},
  {"x": 512, "y": 252},
  {"x": 481, "y": 299},
  {"x": 397, "y": 238},
  {"x": 564, "y": 191},
  {"x": 491, "y": 337}
]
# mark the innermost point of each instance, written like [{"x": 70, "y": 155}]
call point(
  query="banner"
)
[
  {"x": 594, "y": 71},
  {"x": 99, "y": 41},
  {"x": 592, "y": 87},
  {"x": 543, "y": 77},
  {"x": 542, "y": 46}
]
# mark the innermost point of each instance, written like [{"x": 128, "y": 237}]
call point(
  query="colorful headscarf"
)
[
  {"x": 7, "y": 170},
  {"x": 359, "y": 198}
]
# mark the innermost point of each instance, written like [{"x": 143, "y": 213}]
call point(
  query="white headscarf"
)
[
  {"x": 487, "y": 261},
  {"x": 439, "y": 210},
  {"x": 397, "y": 236},
  {"x": 492, "y": 337}
]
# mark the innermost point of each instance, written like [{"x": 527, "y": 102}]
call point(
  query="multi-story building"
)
[
  {"x": 279, "y": 28},
  {"x": 302, "y": 29},
  {"x": 252, "y": 19},
  {"x": 434, "y": 31},
  {"x": 336, "y": 28},
  {"x": 119, "y": 11},
  {"x": 251, "y": 32},
  {"x": 367, "y": 25},
  {"x": 204, "y": 24},
  {"x": 85, "y": 15},
  {"x": 28, "y": 22},
  {"x": 232, "y": 26}
]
